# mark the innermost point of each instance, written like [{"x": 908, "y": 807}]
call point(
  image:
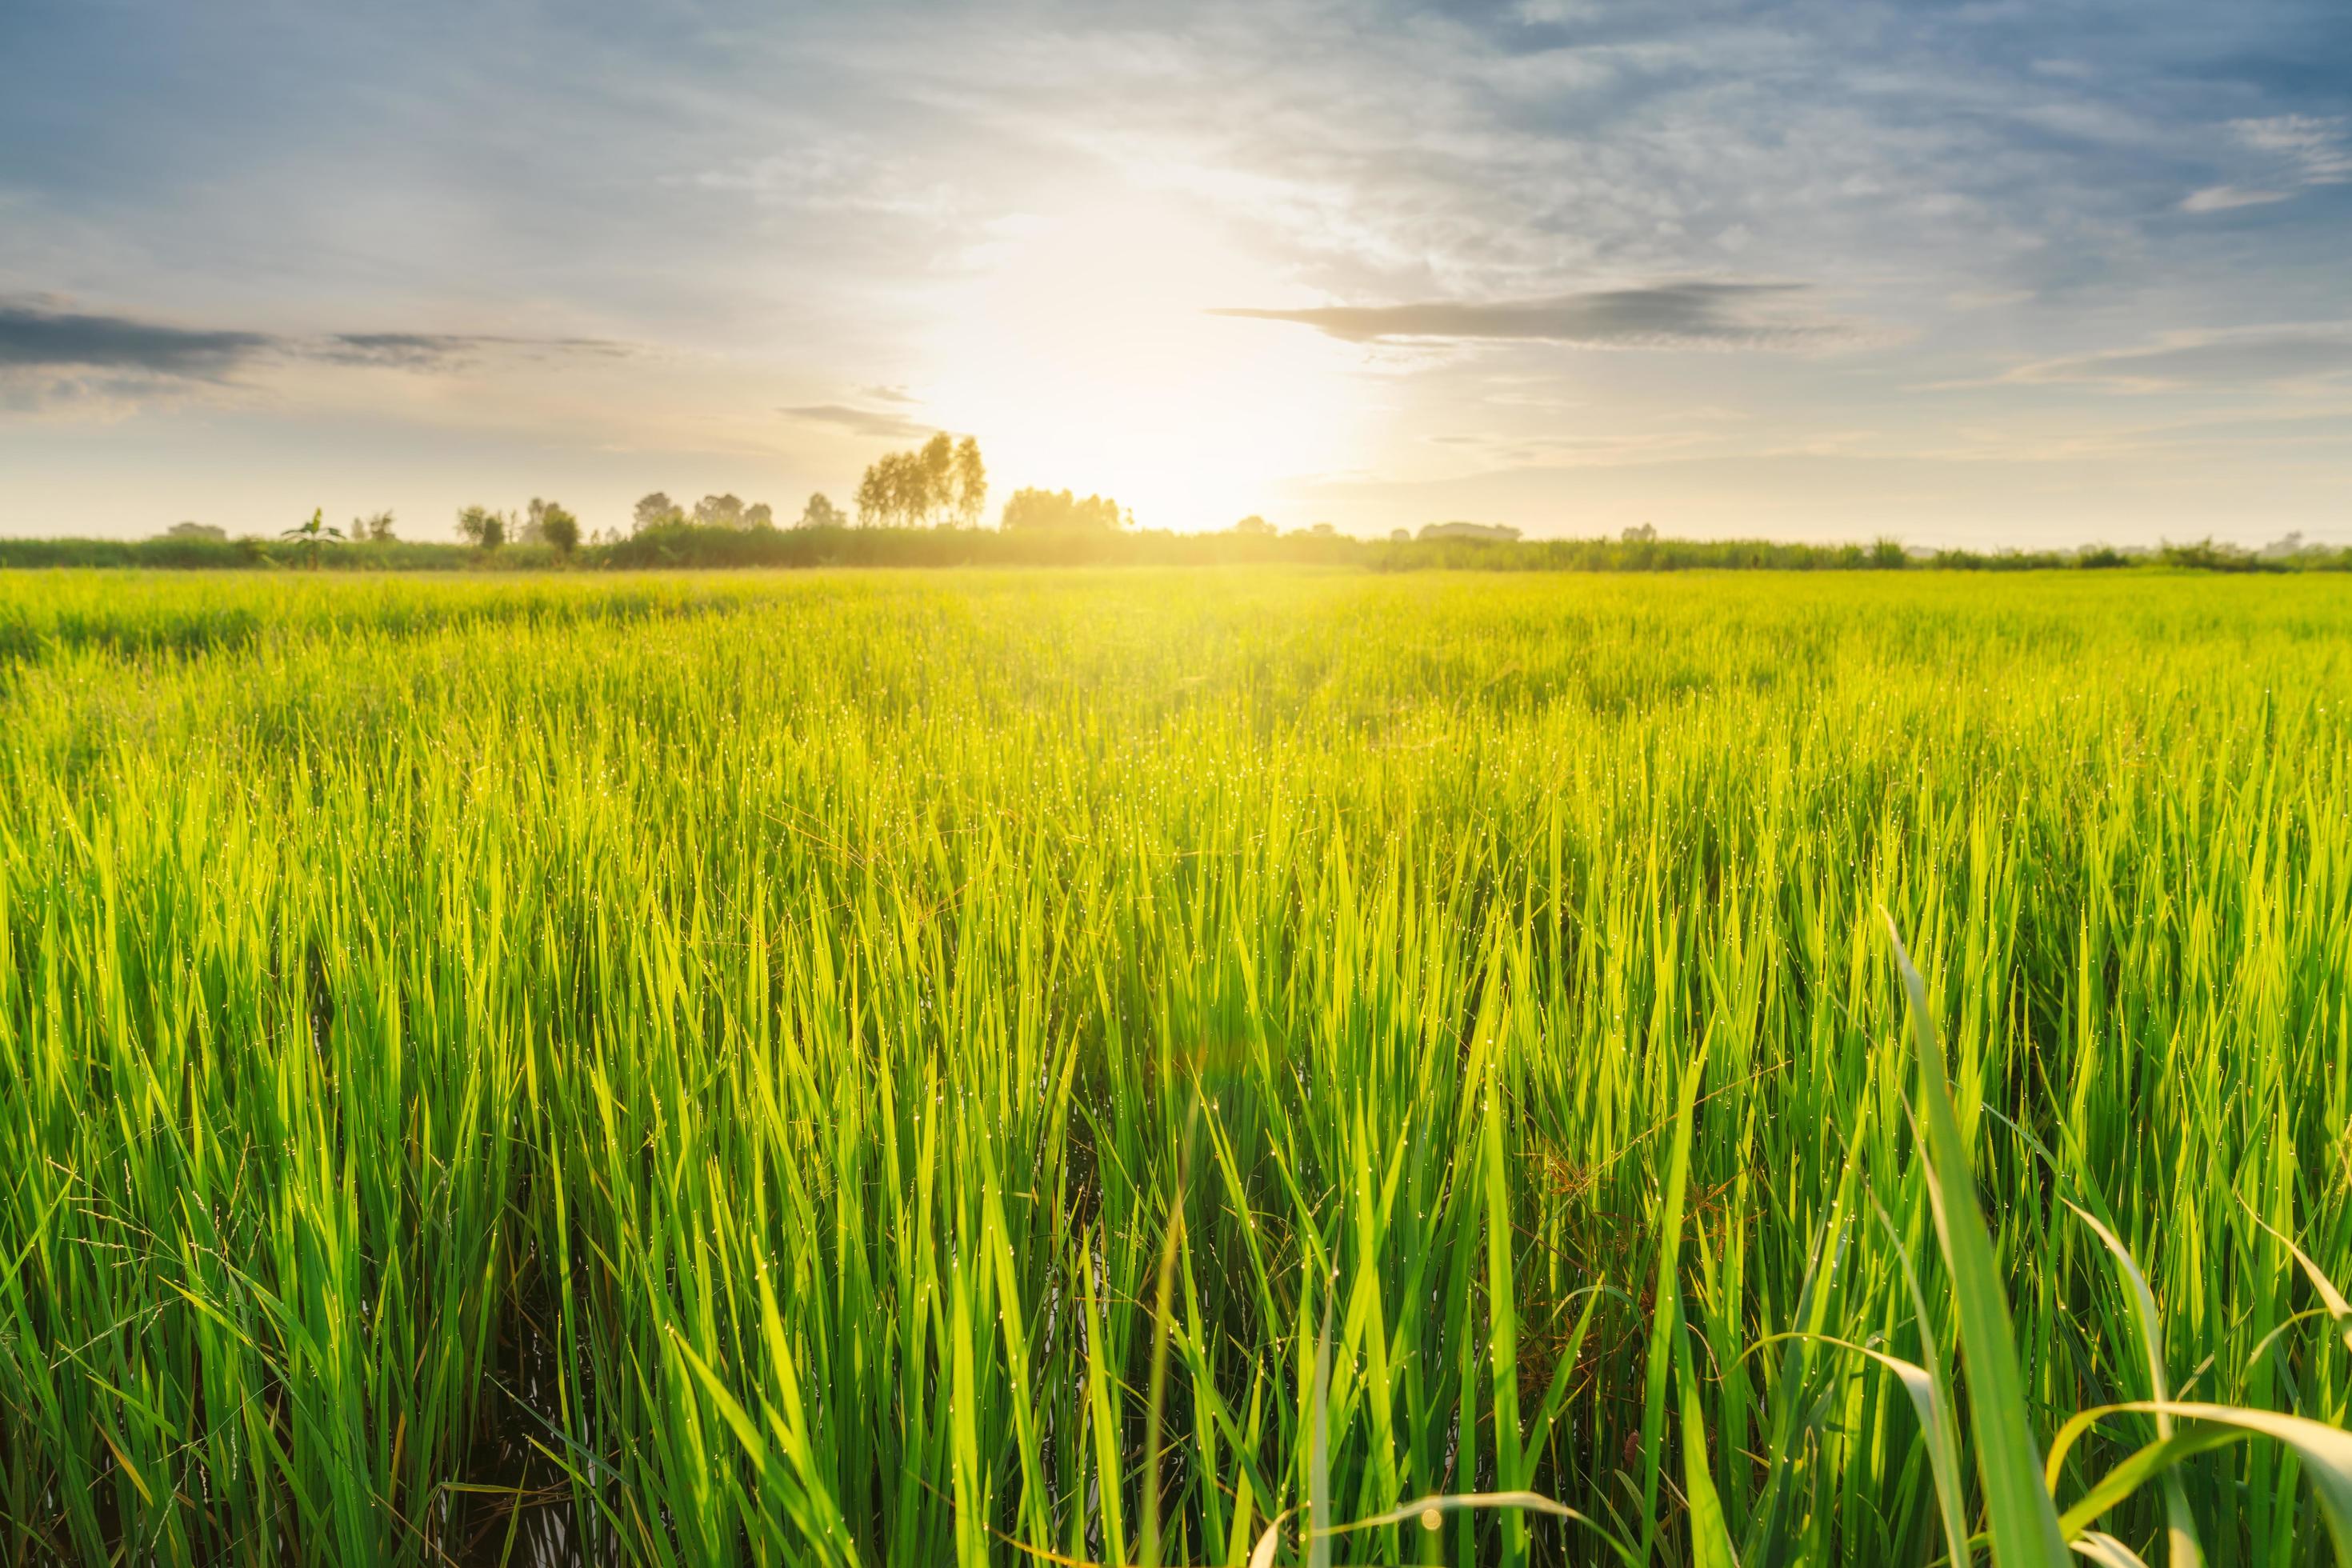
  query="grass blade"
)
[{"x": 2023, "y": 1523}]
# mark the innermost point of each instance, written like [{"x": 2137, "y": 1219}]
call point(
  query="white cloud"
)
[
  {"x": 2223, "y": 198},
  {"x": 2313, "y": 146}
]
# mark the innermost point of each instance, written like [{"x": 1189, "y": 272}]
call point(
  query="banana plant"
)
[{"x": 312, "y": 534}]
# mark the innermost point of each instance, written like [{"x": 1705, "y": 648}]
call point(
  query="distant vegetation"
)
[
  {"x": 1057, "y": 529},
  {"x": 1060, "y": 511},
  {"x": 923, "y": 507}
]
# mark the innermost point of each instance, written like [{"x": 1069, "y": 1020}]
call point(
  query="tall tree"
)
[
  {"x": 720, "y": 511},
  {"x": 821, "y": 512},
  {"x": 656, "y": 510},
  {"x": 896, "y": 491},
  {"x": 941, "y": 482},
  {"x": 971, "y": 483},
  {"x": 936, "y": 479},
  {"x": 873, "y": 501}
]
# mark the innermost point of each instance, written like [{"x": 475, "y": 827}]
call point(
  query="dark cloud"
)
[
  {"x": 35, "y": 337},
  {"x": 1663, "y": 316},
  {"x": 449, "y": 350},
  {"x": 30, "y": 336},
  {"x": 859, "y": 421}
]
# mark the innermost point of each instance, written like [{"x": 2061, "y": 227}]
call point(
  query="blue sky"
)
[{"x": 2006, "y": 273}]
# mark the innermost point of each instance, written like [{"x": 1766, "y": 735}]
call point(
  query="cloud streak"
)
[
  {"x": 2277, "y": 356},
  {"x": 1684, "y": 315},
  {"x": 859, "y": 421},
  {"x": 449, "y": 350},
  {"x": 2225, "y": 199},
  {"x": 2314, "y": 146},
  {"x": 35, "y": 339}
]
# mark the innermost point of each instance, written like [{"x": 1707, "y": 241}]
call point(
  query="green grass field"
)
[{"x": 915, "y": 1068}]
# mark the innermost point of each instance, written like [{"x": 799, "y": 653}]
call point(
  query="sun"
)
[{"x": 1083, "y": 356}]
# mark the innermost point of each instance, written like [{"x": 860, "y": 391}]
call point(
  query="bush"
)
[{"x": 2204, "y": 555}]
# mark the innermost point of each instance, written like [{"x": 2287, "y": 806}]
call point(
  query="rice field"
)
[{"x": 1173, "y": 1068}]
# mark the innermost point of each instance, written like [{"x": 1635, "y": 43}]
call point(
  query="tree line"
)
[
  {"x": 1254, "y": 542},
  {"x": 942, "y": 484},
  {"x": 940, "y": 489},
  {"x": 540, "y": 521}
]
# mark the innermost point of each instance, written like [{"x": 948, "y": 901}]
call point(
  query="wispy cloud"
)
[
  {"x": 2223, "y": 198},
  {"x": 2316, "y": 146},
  {"x": 1687, "y": 315},
  {"x": 2298, "y": 152},
  {"x": 2273, "y": 356},
  {"x": 449, "y": 350},
  {"x": 859, "y": 421}
]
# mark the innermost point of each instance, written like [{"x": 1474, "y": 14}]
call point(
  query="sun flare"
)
[{"x": 1085, "y": 352}]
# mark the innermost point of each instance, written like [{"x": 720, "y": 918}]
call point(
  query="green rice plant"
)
[
  {"x": 2024, "y": 1524},
  {"x": 999, "y": 1067}
]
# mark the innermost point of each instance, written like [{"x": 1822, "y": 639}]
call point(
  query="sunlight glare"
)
[{"x": 1084, "y": 359}]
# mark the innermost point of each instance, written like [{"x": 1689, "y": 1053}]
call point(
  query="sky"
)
[{"x": 2003, "y": 273}]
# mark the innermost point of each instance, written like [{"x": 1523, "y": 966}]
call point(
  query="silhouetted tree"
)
[
  {"x": 821, "y": 512},
  {"x": 1255, "y": 524},
  {"x": 196, "y": 531},
  {"x": 375, "y": 530}
]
